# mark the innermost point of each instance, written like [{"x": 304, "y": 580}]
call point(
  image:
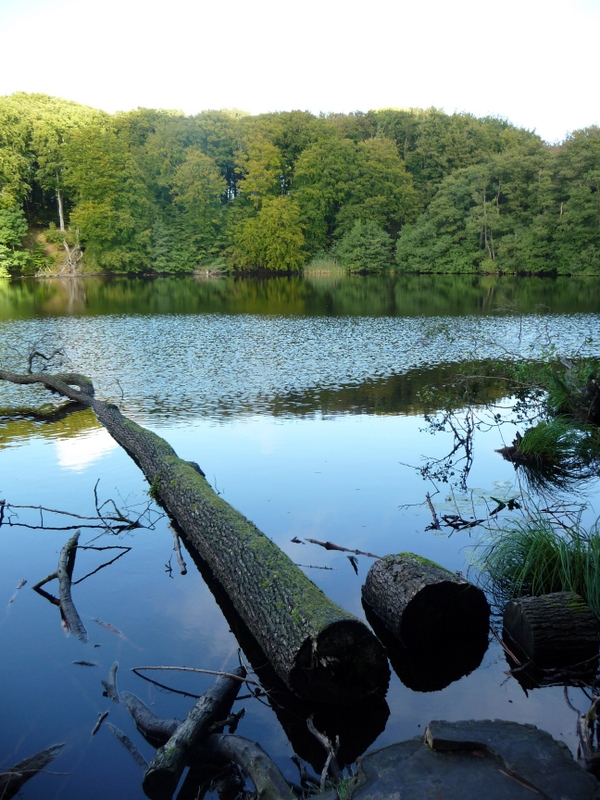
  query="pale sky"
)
[{"x": 534, "y": 62}]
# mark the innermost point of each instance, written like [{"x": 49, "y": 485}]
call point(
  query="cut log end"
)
[
  {"x": 445, "y": 611},
  {"x": 423, "y": 604},
  {"x": 345, "y": 661}
]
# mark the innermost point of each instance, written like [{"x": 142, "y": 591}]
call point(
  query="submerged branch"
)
[
  {"x": 12, "y": 779},
  {"x": 63, "y": 574}
]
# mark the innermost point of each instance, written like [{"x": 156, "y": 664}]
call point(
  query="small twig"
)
[
  {"x": 201, "y": 671},
  {"x": 106, "y": 564},
  {"x": 101, "y": 717},
  {"x": 505, "y": 647},
  {"x": 331, "y": 764},
  {"x": 332, "y": 546},
  {"x": 20, "y": 585},
  {"x": 436, "y": 523}
]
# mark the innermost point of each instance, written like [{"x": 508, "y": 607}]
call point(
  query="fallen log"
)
[
  {"x": 316, "y": 648},
  {"x": 163, "y": 774},
  {"x": 553, "y": 630},
  {"x": 423, "y": 604},
  {"x": 12, "y": 779}
]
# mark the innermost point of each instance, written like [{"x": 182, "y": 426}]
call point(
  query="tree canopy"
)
[{"x": 154, "y": 191}]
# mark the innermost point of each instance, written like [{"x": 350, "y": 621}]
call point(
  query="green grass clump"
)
[
  {"x": 537, "y": 556},
  {"x": 558, "y": 442}
]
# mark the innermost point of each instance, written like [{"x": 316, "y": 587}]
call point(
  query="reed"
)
[{"x": 539, "y": 556}]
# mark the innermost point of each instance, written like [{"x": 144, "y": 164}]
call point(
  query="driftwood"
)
[
  {"x": 163, "y": 774},
  {"x": 64, "y": 574},
  {"x": 12, "y": 779},
  {"x": 423, "y": 604},
  {"x": 128, "y": 745},
  {"x": 317, "y": 649},
  {"x": 554, "y": 630},
  {"x": 110, "y": 686},
  {"x": 210, "y": 748},
  {"x": 154, "y": 729}
]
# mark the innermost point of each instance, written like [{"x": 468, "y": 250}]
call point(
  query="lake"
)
[{"x": 304, "y": 402}]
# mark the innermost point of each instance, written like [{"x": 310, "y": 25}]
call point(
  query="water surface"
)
[{"x": 300, "y": 400}]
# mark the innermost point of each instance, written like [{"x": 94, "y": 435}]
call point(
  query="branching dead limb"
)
[
  {"x": 163, "y": 774},
  {"x": 331, "y": 765},
  {"x": 63, "y": 574}
]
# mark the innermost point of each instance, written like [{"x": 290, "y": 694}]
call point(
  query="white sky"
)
[{"x": 534, "y": 62}]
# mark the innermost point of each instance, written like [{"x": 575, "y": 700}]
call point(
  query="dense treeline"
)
[{"x": 159, "y": 192}]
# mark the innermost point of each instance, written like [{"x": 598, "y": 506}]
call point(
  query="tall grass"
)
[{"x": 538, "y": 556}]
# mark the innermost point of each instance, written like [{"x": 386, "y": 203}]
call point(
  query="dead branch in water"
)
[
  {"x": 110, "y": 686},
  {"x": 164, "y": 772},
  {"x": 63, "y": 574},
  {"x": 177, "y": 548},
  {"x": 12, "y": 779},
  {"x": 101, "y": 717},
  {"x": 128, "y": 745},
  {"x": 332, "y": 546}
]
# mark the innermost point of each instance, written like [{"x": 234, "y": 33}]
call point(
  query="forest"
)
[{"x": 417, "y": 191}]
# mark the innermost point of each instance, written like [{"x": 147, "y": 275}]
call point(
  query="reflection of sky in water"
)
[
  {"x": 340, "y": 477},
  {"x": 82, "y": 451}
]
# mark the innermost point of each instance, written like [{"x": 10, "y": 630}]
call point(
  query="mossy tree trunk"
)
[{"x": 318, "y": 649}]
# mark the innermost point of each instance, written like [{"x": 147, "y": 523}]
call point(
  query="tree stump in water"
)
[
  {"x": 554, "y": 630},
  {"x": 423, "y": 604}
]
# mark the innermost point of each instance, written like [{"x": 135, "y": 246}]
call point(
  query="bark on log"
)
[
  {"x": 423, "y": 604},
  {"x": 164, "y": 772},
  {"x": 12, "y": 779},
  {"x": 554, "y": 630},
  {"x": 317, "y": 649}
]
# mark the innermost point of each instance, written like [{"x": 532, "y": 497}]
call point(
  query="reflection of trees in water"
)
[{"x": 396, "y": 295}]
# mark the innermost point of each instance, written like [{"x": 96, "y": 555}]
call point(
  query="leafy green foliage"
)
[
  {"x": 365, "y": 248},
  {"x": 272, "y": 239},
  {"x": 537, "y": 556},
  {"x": 13, "y": 228},
  {"x": 149, "y": 190}
]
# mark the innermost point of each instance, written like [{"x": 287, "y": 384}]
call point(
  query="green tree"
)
[
  {"x": 114, "y": 209},
  {"x": 272, "y": 239},
  {"x": 260, "y": 164},
  {"x": 578, "y": 200},
  {"x": 365, "y": 248},
  {"x": 13, "y": 228}
]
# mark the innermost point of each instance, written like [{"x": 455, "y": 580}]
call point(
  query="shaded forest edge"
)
[{"x": 157, "y": 192}]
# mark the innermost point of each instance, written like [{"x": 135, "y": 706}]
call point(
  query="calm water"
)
[{"x": 300, "y": 400}]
